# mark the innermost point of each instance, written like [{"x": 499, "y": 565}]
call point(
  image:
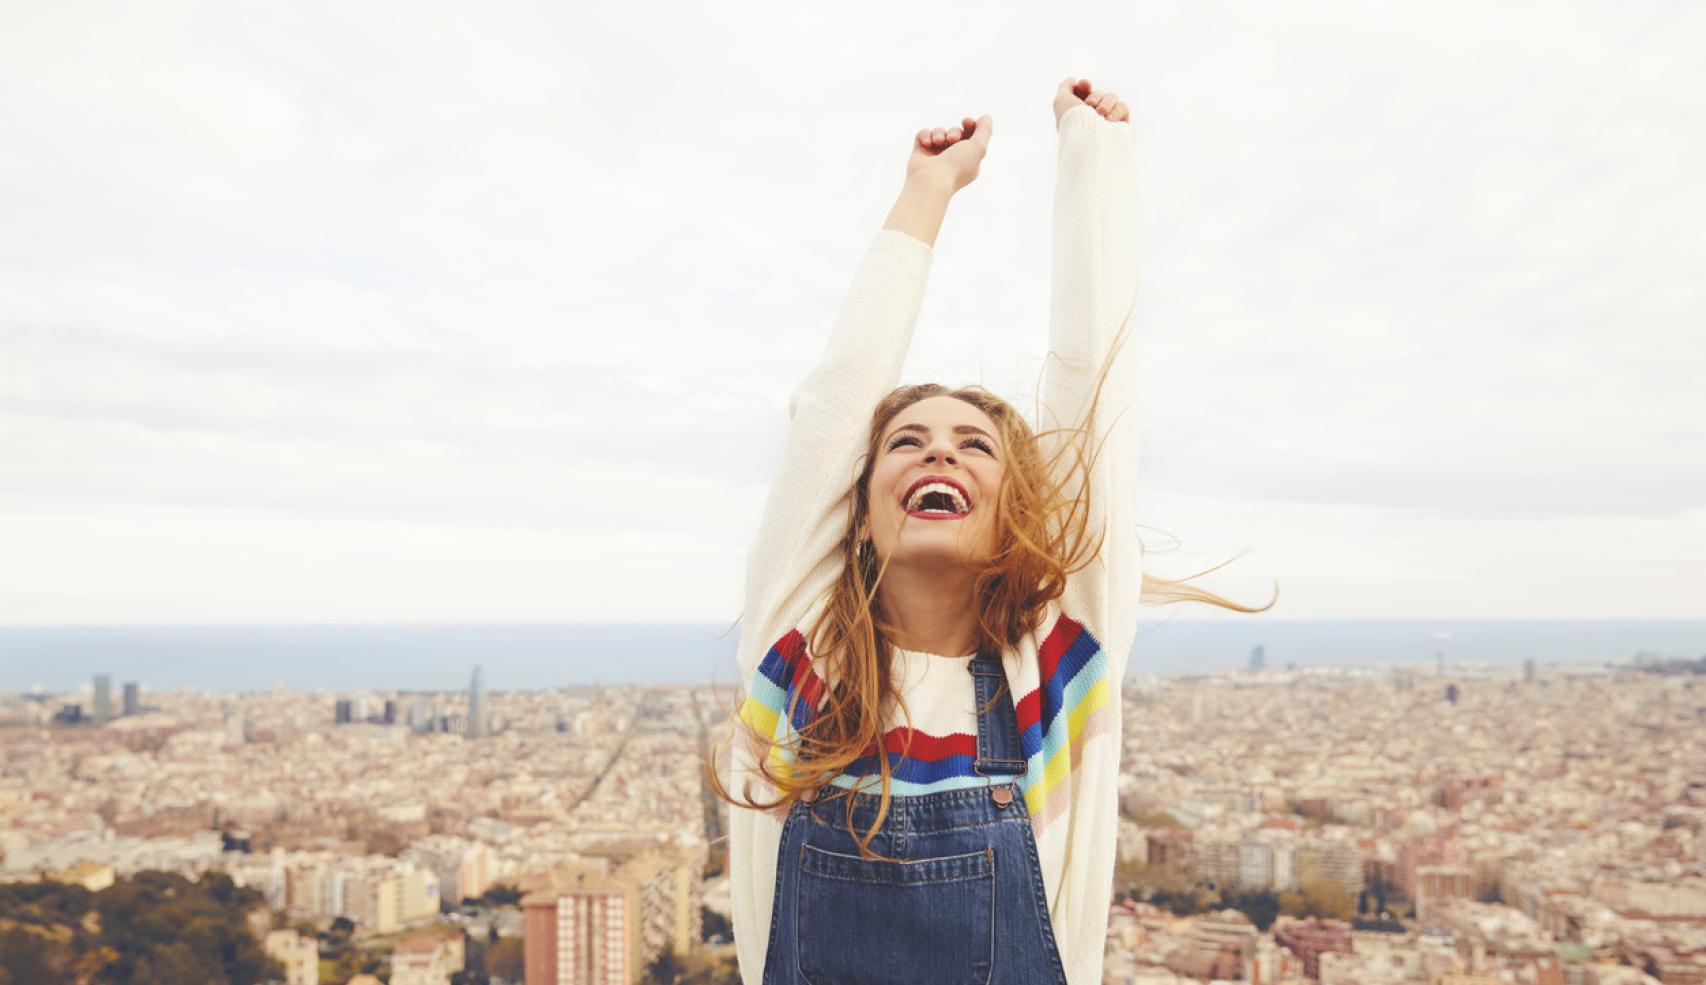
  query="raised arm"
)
[
  {"x": 798, "y": 548},
  {"x": 1091, "y": 304}
]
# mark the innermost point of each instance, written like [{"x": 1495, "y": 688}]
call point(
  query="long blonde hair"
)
[{"x": 1042, "y": 517}]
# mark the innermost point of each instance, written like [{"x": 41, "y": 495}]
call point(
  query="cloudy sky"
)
[{"x": 432, "y": 312}]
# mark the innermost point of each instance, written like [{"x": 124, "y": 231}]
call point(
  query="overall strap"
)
[{"x": 998, "y": 749}]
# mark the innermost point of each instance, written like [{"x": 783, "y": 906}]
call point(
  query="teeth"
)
[{"x": 953, "y": 494}]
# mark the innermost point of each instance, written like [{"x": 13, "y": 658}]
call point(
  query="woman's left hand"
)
[
  {"x": 954, "y": 153},
  {"x": 1071, "y": 92}
]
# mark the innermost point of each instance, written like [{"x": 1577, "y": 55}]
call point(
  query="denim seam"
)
[
  {"x": 994, "y": 901},
  {"x": 987, "y": 870},
  {"x": 992, "y": 822},
  {"x": 985, "y": 874},
  {"x": 798, "y": 872},
  {"x": 1039, "y": 898},
  {"x": 776, "y": 903}
]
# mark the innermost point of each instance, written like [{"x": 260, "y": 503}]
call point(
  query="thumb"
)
[
  {"x": 985, "y": 126},
  {"x": 1065, "y": 86}
]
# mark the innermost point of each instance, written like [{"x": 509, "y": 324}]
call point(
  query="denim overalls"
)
[{"x": 964, "y": 906}]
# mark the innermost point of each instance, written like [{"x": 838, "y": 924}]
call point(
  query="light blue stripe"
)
[
  {"x": 902, "y": 788},
  {"x": 764, "y": 690},
  {"x": 1059, "y": 735}
]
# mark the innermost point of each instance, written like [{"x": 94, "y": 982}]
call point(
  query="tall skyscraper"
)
[
  {"x": 420, "y": 715},
  {"x": 478, "y": 715},
  {"x": 1258, "y": 658},
  {"x": 103, "y": 698},
  {"x": 132, "y": 698}
]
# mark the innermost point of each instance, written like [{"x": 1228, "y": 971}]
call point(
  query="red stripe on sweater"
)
[
  {"x": 1060, "y": 638},
  {"x": 802, "y": 676},
  {"x": 1065, "y": 633},
  {"x": 925, "y": 746}
]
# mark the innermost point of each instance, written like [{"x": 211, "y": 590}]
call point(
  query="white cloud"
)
[{"x": 328, "y": 313}]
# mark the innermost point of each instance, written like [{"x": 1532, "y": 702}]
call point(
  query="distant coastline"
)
[{"x": 359, "y": 656}]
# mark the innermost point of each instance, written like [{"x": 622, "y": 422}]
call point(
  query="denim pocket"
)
[{"x": 860, "y": 922}]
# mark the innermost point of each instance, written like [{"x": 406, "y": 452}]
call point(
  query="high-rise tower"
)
[
  {"x": 103, "y": 698},
  {"x": 478, "y": 715}
]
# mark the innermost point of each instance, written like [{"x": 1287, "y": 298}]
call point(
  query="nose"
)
[{"x": 939, "y": 452}]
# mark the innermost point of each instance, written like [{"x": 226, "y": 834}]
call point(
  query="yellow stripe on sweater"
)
[{"x": 1060, "y": 767}]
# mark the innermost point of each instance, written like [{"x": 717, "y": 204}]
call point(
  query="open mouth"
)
[{"x": 937, "y": 497}]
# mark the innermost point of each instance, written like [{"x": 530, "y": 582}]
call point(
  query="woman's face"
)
[{"x": 933, "y": 486}]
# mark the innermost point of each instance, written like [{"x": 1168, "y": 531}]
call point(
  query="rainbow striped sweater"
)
[
  {"x": 1066, "y": 704},
  {"x": 1065, "y": 677}
]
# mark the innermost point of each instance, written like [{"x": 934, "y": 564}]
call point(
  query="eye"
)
[
  {"x": 980, "y": 443},
  {"x": 901, "y": 440}
]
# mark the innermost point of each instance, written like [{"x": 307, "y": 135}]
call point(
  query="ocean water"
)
[{"x": 442, "y": 656}]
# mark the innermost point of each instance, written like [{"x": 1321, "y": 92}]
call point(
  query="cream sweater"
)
[{"x": 1066, "y": 677}]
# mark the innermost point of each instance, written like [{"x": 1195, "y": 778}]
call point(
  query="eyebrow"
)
[{"x": 958, "y": 429}]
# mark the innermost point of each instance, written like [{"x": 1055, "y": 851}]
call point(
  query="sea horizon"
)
[{"x": 528, "y": 656}]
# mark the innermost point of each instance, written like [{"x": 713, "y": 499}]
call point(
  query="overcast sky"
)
[{"x": 429, "y": 312}]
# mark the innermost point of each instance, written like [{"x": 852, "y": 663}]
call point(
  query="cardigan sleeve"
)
[
  {"x": 797, "y": 551},
  {"x": 1091, "y": 310}
]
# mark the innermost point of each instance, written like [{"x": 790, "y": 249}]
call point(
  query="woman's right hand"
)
[
  {"x": 951, "y": 154},
  {"x": 1071, "y": 92}
]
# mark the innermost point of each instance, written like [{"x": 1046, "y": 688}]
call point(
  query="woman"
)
[{"x": 932, "y": 575}]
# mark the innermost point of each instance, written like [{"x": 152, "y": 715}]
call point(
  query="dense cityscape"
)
[{"x": 1447, "y": 825}]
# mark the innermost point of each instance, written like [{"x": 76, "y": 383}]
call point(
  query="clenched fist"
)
[
  {"x": 1072, "y": 92},
  {"x": 951, "y": 153}
]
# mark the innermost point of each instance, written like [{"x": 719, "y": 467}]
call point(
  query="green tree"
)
[
  {"x": 27, "y": 957},
  {"x": 1261, "y": 906},
  {"x": 715, "y": 925},
  {"x": 1326, "y": 898},
  {"x": 665, "y": 969},
  {"x": 501, "y": 895}
]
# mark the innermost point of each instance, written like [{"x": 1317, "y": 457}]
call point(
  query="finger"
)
[
  {"x": 954, "y": 134},
  {"x": 923, "y": 138},
  {"x": 969, "y": 125},
  {"x": 938, "y": 137},
  {"x": 1121, "y": 112},
  {"x": 1095, "y": 100},
  {"x": 1082, "y": 88}
]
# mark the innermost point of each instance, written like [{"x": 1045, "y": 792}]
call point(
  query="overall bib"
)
[{"x": 965, "y": 904}]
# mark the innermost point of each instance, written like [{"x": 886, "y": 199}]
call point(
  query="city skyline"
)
[
  {"x": 1320, "y": 827},
  {"x": 437, "y": 657}
]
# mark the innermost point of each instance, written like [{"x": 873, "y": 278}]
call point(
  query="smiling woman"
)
[
  {"x": 938, "y": 461},
  {"x": 939, "y": 606}
]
